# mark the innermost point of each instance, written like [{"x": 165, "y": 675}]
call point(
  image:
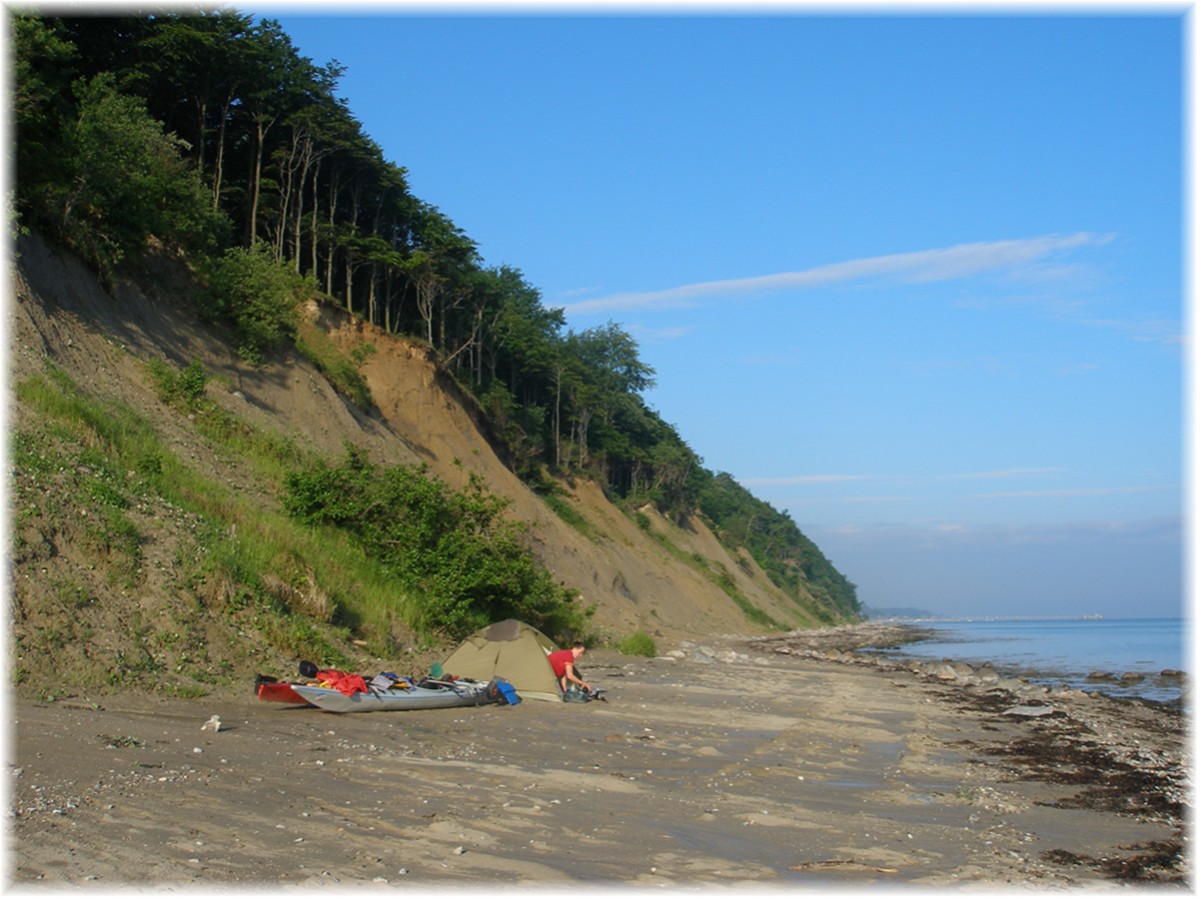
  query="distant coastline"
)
[{"x": 935, "y": 618}]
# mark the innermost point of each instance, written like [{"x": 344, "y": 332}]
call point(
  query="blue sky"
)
[{"x": 915, "y": 279}]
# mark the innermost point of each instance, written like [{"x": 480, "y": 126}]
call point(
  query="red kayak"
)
[{"x": 277, "y": 691}]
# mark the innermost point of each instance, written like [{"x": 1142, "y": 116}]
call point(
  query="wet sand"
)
[{"x": 750, "y": 770}]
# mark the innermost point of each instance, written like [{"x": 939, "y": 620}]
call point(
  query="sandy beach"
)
[{"x": 739, "y": 764}]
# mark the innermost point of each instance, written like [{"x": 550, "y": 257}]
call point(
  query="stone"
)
[{"x": 1029, "y": 711}]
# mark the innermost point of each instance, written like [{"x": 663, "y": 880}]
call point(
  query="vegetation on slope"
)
[
  {"x": 320, "y": 558},
  {"x": 472, "y": 566},
  {"x": 789, "y": 558},
  {"x": 210, "y": 134}
]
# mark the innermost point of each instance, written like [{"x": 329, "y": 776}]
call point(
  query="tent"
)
[{"x": 510, "y": 650}]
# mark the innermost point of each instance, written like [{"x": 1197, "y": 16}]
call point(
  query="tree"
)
[
  {"x": 191, "y": 75},
  {"x": 121, "y": 120},
  {"x": 44, "y": 61},
  {"x": 603, "y": 371},
  {"x": 275, "y": 83},
  {"x": 128, "y": 180}
]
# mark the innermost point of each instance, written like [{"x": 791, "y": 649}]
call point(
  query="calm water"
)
[{"x": 1066, "y": 651}]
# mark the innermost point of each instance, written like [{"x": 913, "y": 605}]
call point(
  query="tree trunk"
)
[
  {"x": 219, "y": 167},
  {"x": 313, "y": 228},
  {"x": 260, "y": 135}
]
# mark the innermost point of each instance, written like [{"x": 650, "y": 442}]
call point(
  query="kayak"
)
[
  {"x": 428, "y": 694},
  {"x": 272, "y": 689},
  {"x": 278, "y": 692}
]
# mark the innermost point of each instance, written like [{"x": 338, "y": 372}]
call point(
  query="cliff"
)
[{"x": 671, "y": 581}]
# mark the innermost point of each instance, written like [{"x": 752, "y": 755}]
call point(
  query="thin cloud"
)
[
  {"x": 814, "y": 501},
  {"x": 1149, "y": 331},
  {"x": 800, "y": 479},
  {"x": 994, "y": 474},
  {"x": 576, "y": 292},
  {"x": 1080, "y": 492},
  {"x": 659, "y": 335},
  {"x": 942, "y": 264},
  {"x": 1005, "y": 473},
  {"x": 1159, "y": 529}
]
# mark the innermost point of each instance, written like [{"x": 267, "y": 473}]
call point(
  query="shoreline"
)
[
  {"x": 886, "y": 641},
  {"x": 722, "y": 764}
]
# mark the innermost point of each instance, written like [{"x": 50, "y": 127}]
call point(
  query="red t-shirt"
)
[{"x": 559, "y": 659}]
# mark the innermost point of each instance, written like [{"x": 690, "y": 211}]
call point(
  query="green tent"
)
[{"x": 510, "y": 650}]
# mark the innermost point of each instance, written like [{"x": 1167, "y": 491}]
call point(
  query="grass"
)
[
  {"x": 341, "y": 370},
  {"x": 638, "y": 644},
  {"x": 88, "y": 463},
  {"x": 719, "y": 577},
  {"x": 568, "y": 514}
]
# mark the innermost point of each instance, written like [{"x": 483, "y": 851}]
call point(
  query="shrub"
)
[
  {"x": 638, "y": 644},
  {"x": 258, "y": 295},
  {"x": 453, "y": 549},
  {"x": 185, "y": 387}
]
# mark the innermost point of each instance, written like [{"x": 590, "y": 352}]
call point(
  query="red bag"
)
[{"x": 342, "y": 681}]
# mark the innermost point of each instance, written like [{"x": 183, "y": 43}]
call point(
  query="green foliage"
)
[
  {"x": 789, "y": 558},
  {"x": 120, "y": 181},
  {"x": 469, "y": 565},
  {"x": 568, "y": 514},
  {"x": 186, "y": 387},
  {"x": 192, "y": 381},
  {"x": 258, "y": 295},
  {"x": 749, "y": 610},
  {"x": 342, "y": 371},
  {"x": 80, "y": 478},
  {"x": 43, "y": 60},
  {"x": 261, "y": 146},
  {"x": 638, "y": 644}
]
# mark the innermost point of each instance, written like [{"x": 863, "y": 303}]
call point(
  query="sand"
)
[{"x": 734, "y": 769}]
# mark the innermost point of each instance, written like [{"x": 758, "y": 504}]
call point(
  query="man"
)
[{"x": 563, "y": 663}]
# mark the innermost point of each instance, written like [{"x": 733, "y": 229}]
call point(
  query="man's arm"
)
[{"x": 571, "y": 676}]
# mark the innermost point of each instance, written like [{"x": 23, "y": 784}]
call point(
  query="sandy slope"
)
[
  {"x": 104, "y": 342},
  {"x": 735, "y": 773}
]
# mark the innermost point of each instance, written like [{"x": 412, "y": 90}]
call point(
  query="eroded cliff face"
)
[{"x": 635, "y": 579}]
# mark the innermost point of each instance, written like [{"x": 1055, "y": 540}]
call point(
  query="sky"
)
[{"x": 916, "y": 279}]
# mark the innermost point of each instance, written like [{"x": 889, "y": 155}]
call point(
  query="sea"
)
[{"x": 1072, "y": 652}]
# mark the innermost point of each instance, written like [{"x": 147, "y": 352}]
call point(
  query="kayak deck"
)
[{"x": 427, "y": 695}]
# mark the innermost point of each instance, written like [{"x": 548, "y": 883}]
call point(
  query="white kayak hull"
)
[{"x": 442, "y": 696}]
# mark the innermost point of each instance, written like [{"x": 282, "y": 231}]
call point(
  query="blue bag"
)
[{"x": 508, "y": 693}]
